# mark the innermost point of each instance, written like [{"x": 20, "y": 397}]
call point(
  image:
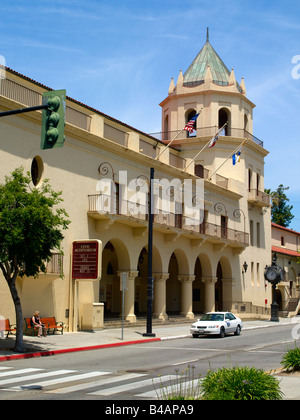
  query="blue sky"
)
[{"x": 119, "y": 56}]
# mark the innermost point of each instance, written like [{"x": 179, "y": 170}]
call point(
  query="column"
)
[
  {"x": 209, "y": 293},
  {"x": 160, "y": 304},
  {"x": 129, "y": 314},
  {"x": 187, "y": 296}
]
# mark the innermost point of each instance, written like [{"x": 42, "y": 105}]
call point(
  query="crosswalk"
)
[{"x": 94, "y": 383}]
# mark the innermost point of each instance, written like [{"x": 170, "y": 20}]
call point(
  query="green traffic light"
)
[
  {"x": 53, "y": 121},
  {"x": 53, "y": 103}
]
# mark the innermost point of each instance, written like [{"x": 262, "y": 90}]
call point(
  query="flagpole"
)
[
  {"x": 173, "y": 139},
  {"x": 166, "y": 147},
  {"x": 205, "y": 146},
  {"x": 210, "y": 177}
]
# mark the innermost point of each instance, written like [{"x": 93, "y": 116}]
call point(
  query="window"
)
[
  {"x": 223, "y": 227},
  {"x": 224, "y": 117},
  {"x": 282, "y": 241},
  {"x": 252, "y": 274},
  {"x": 166, "y": 128},
  {"x": 251, "y": 233},
  {"x": 249, "y": 179},
  {"x": 199, "y": 171},
  {"x": 190, "y": 115},
  {"x": 37, "y": 169},
  {"x": 258, "y": 235}
]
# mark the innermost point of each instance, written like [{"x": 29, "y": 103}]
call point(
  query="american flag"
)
[{"x": 190, "y": 125}]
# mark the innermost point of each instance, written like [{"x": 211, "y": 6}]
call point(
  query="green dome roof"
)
[{"x": 195, "y": 74}]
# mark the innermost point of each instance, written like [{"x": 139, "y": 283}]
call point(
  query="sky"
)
[{"x": 118, "y": 56}]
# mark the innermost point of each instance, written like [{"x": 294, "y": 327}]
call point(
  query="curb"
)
[{"x": 73, "y": 350}]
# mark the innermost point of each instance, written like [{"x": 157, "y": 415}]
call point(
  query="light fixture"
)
[{"x": 245, "y": 267}]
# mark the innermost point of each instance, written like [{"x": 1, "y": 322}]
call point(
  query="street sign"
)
[{"x": 86, "y": 259}]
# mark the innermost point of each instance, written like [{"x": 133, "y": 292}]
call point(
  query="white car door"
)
[{"x": 233, "y": 322}]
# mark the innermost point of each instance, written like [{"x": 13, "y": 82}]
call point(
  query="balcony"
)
[
  {"x": 207, "y": 132},
  {"x": 259, "y": 198},
  {"x": 108, "y": 211}
]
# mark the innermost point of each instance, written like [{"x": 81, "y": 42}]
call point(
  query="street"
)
[{"x": 138, "y": 372}]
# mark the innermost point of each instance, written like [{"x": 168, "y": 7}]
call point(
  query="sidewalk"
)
[{"x": 84, "y": 341}]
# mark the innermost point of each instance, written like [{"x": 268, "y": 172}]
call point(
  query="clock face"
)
[{"x": 271, "y": 274}]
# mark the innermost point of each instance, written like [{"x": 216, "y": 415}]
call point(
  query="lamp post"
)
[
  {"x": 149, "y": 332},
  {"x": 274, "y": 275}
]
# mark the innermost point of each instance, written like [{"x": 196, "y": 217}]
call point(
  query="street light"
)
[{"x": 149, "y": 332}]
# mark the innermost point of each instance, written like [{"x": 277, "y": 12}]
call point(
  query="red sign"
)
[{"x": 85, "y": 261}]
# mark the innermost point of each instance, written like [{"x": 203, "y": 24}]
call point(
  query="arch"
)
[
  {"x": 226, "y": 267},
  {"x": 223, "y": 286},
  {"x": 225, "y": 116},
  {"x": 115, "y": 258},
  {"x": 183, "y": 262},
  {"x": 173, "y": 287},
  {"x": 166, "y": 128},
  {"x": 188, "y": 115},
  {"x": 141, "y": 281},
  {"x": 118, "y": 245},
  {"x": 205, "y": 265},
  {"x": 198, "y": 288}
]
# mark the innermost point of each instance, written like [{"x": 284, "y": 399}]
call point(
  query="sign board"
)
[{"x": 86, "y": 259}]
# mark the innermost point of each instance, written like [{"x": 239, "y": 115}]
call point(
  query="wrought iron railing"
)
[
  {"x": 106, "y": 205},
  {"x": 207, "y": 132}
]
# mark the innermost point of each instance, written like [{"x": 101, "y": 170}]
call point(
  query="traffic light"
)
[{"x": 53, "y": 119}]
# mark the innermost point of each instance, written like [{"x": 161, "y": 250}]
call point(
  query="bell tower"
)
[{"x": 209, "y": 86}]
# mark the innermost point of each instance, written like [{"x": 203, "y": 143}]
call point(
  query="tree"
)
[
  {"x": 30, "y": 228},
  {"x": 281, "y": 211}
]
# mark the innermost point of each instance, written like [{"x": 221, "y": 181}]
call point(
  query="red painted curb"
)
[{"x": 73, "y": 350}]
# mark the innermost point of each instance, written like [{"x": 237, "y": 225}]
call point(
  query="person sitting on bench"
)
[{"x": 36, "y": 323}]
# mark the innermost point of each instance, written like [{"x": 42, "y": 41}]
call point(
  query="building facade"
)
[
  {"x": 286, "y": 248},
  {"x": 211, "y": 259}
]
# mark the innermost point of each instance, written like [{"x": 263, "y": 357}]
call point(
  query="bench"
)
[
  {"x": 28, "y": 328},
  {"x": 49, "y": 322},
  {"x": 10, "y": 328}
]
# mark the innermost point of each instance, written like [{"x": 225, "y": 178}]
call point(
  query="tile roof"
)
[{"x": 285, "y": 251}]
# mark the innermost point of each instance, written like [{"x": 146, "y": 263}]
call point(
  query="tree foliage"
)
[
  {"x": 30, "y": 228},
  {"x": 281, "y": 211}
]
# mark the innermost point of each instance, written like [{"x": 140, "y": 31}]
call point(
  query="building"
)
[
  {"x": 286, "y": 247},
  {"x": 212, "y": 261}
]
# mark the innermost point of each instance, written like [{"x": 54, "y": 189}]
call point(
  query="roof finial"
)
[{"x": 207, "y": 35}]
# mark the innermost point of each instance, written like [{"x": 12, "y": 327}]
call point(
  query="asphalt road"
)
[{"x": 134, "y": 372}]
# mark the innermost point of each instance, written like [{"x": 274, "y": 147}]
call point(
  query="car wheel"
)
[
  {"x": 195, "y": 335},
  {"x": 238, "y": 330},
  {"x": 222, "y": 332}
]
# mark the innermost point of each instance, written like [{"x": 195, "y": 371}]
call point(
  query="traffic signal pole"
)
[
  {"x": 23, "y": 110},
  {"x": 53, "y": 118}
]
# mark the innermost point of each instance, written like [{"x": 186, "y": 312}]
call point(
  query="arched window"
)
[
  {"x": 225, "y": 116},
  {"x": 190, "y": 115},
  {"x": 246, "y": 123},
  {"x": 199, "y": 171},
  {"x": 249, "y": 179},
  {"x": 166, "y": 128}
]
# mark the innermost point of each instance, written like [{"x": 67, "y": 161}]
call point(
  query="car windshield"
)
[{"x": 212, "y": 317}]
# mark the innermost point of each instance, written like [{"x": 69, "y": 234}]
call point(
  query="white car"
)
[{"x": 218, "y": 323}]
